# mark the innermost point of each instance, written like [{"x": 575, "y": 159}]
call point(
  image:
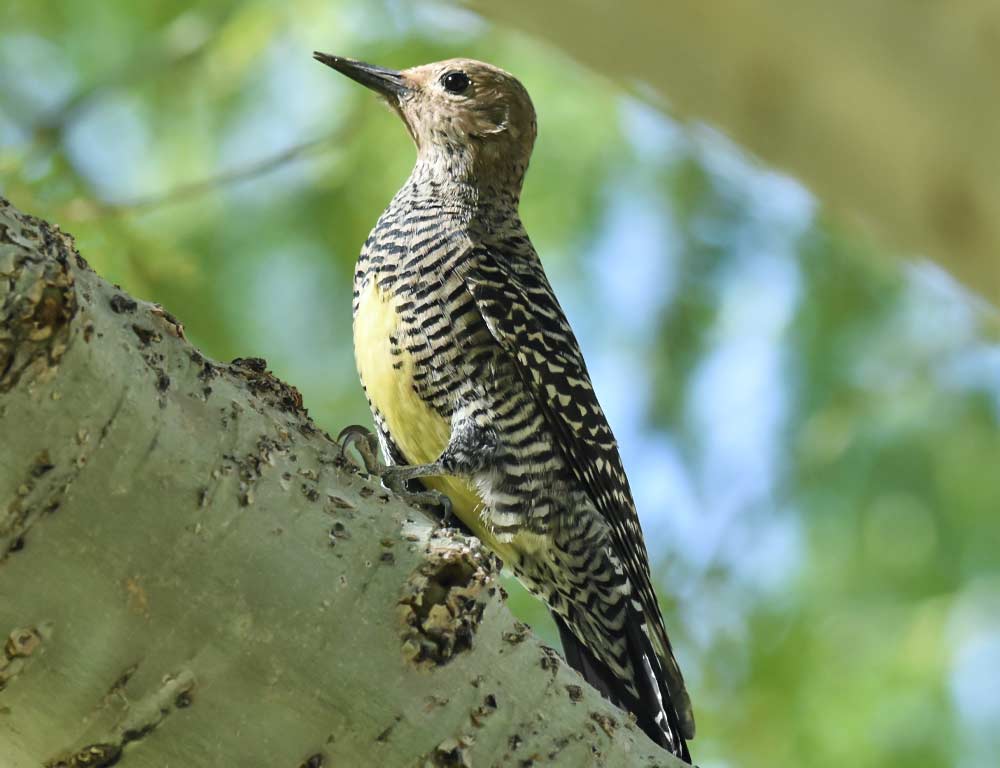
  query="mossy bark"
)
[{"x": 191, "y": 575}]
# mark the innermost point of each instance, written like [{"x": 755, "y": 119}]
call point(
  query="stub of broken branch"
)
[
  {"x": 192, "y": 574},
  {"x": 40, "y": 299},
  {"x": 444, "y": 598}
]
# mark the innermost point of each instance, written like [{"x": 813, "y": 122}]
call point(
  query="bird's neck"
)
[{"x": 471, "y": 181}]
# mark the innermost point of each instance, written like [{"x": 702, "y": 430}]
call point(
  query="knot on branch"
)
[
  {"x": 37, "y": 295},
  {"x": 444, "y": 599}
]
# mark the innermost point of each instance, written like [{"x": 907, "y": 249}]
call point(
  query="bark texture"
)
[
  {"x": 886, "y": 110},
  {"x": 191, "y": 575}
]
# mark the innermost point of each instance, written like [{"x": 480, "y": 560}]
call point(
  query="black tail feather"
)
[{"x": 653, "y": 709}]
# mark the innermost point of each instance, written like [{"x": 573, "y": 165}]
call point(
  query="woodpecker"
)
[{"x": 479, "y": 392}]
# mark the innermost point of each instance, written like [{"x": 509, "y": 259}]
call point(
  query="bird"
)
[{"x": 479, "y": 391}]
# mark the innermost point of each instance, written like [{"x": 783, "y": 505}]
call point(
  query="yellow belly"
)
[{"x": 420, "y": 432}]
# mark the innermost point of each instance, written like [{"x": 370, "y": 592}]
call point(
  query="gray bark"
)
[
  {"x": 190, "y": 574},
  {"x": 886, "y": 110}
]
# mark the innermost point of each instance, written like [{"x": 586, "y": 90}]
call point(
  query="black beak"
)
[{"x": 387, "y": 82}]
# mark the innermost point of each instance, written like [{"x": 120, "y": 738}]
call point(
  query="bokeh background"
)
[{"x": 808, "y": 419}]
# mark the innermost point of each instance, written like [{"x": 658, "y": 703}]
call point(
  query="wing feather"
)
[{"x": 523, "y": 315}]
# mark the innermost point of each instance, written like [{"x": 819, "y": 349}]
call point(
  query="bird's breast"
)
[{"x": 387, "y": 371}]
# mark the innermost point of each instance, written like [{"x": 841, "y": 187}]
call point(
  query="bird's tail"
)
[{"x": 652, "y": 708}]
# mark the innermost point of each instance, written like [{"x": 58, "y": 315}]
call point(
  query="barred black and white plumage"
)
[{"x": 478, "y": 388}]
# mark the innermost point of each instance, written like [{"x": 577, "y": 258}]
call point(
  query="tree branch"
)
[
  {"x": 182, "y": 193},
  {"x": 192, "y": 575}
]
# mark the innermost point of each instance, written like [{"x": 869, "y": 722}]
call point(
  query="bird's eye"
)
[{"x": 456, "y": 82}]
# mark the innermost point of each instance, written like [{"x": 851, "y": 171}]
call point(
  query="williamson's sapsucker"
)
[{"x": 479, "y": 391}]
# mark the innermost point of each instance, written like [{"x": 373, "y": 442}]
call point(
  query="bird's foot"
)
[
  {"x": 394, "y": 478},
  {"x": 365, "y": 443},
  {"x": 433, "y": 502}
]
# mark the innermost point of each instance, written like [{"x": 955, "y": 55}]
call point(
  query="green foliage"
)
[{"x": 826, "y": 537}]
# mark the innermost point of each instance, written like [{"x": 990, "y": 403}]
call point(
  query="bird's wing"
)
[{"x": 523, "y": 315}]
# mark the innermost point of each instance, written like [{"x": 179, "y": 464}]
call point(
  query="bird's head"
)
[{"x": 470, "y": 121}]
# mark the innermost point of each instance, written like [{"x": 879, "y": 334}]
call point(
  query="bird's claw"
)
[
  {"x": 365, "y": 443},
  {"x": 433, "y": 501},
  {"x": 395, "y": 479}
]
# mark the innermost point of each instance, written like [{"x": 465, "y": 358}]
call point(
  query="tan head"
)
[{"x": 471, "y": 121}]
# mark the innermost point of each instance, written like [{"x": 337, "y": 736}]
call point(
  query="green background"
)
[{"x": 809, "y": 424}]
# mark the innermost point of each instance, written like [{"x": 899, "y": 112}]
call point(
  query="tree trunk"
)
[
  {"x": 191, "y": 575},
  {"x": 887, "y": 110}
]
